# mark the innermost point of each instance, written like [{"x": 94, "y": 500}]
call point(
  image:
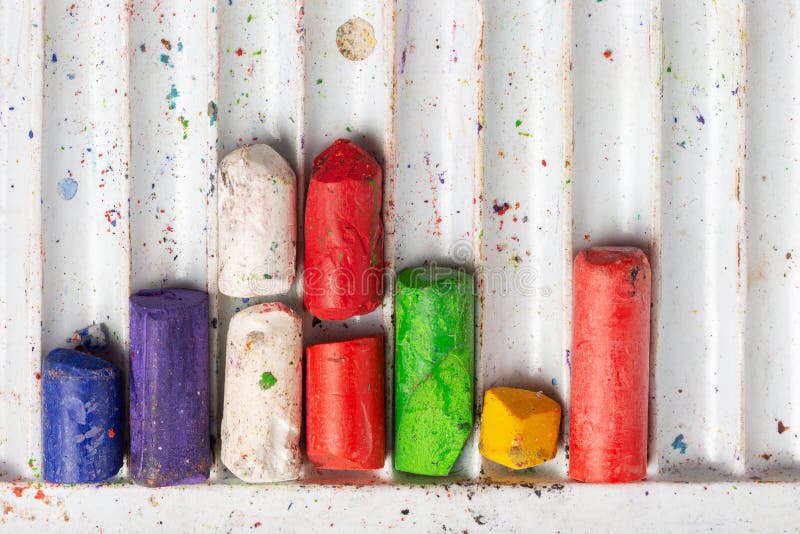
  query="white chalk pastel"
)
[
  {"x": 257, "y": 223},
  {"x": 262, "y": 415}
]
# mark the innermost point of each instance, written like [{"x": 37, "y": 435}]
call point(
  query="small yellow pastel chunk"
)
[{"x": 519, "y": 428}]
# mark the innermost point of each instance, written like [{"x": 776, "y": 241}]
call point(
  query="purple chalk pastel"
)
[{"x": 169, "y": 385}]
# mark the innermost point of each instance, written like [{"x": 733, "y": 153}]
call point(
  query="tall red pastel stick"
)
[
  {"x": 344, "y": 404},
  {"x": 610, "y": 365},
  {"x": 343, "y": 233}
]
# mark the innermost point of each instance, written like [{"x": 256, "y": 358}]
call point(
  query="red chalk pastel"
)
[
  {"x": 344, "y": 404},
  {"x": 610, "y": 365},
  {"x": 343, "y": 233}
]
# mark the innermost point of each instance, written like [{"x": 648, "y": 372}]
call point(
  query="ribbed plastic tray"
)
[{"x": 512, "y": 134}]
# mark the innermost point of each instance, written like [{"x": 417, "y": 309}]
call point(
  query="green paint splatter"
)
[
  {"x": 185, "y": 125},
  {"x": 257, "y": 52},
  {"x": 267, "y": 276},
  {"x": 319, "y": 81},
  {"x": 250, "y": 18},
  {"x": 267, "y": 381},
  {"x": 518, "y": 123},
  {"x": 669, "y": 69},
  {"x": 347, "y": 128}
]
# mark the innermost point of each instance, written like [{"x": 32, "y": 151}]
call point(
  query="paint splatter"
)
[
  {"x": 30, "y": 134},
  {"x": 54, "y": 58},
  {"x": 167, "y": 44},
  {"x": 172, "y": 95},
  {"x": 185, "y": 125},
  {"x": 501, "y": 209},
  {"x": 679, "y": 444},
  {"x": 518, "y": 123},
  {"x": 700, "y": 118},
  {"x": 544, "y": 163},
  {"x": 607, "y": 53},
  {"x": 356, "y": 39},
  {"x": 239, "y": 52},
  {"x": 112, "y": 216},
  {"x": 111, "y": 433},
  {"x": 782, "y": 428},
  {"x": 267, "y": 381},
  {"x": 165, "y": 59},
  {"x": 67, "y": 188},
  {"x": 212, "y": 113}
]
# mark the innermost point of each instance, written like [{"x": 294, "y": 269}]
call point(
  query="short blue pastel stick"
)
[{"x": 82, "y": 428}]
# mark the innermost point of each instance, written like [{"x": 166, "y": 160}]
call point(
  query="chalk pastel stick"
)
[
  {"x": 434, "y": 368},
  {"x": 257, "y": 209},
  {"x": 169, "y": 387},
  {"x": 343, "y": 233},
  {"x": 610, "y": 365},
  {"x": 262, "y": 414},
  {"x": 519, "y": 428},
  {"x": 344, "y": 404},
  {"x": 81, "y": 418}
]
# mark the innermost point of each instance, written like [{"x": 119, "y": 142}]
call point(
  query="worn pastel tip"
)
[
  {"x": 82, "y": 427},
  {"x": 168, "y": 299},
  {"x": 345, "y": 160}
]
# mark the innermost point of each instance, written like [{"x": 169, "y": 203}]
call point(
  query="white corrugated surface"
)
[{"x": 512, "y": 134}]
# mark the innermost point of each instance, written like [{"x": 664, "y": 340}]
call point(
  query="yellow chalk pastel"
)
[{"x": 519, "y": 428}]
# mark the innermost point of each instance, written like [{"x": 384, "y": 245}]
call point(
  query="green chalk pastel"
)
[{"x": 434, "y": 368}]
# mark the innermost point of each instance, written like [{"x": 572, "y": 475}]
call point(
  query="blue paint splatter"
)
[
  {"x": 440, "y": 176},
  {"x": 71, "y": 76},
  {"x": 173, "y": 94},
  {"x": 569, "y": 363},
  {"x": 554, "y": 382},
  {"x": 679, "y": 444},
  {"x": 54, "y": 58},
  {"x": 67, "y": 188},
  {"x": 30, "y": 134},
  {"x": 700, "y": 119},
  {"x": 180, "y": 46},
  {"x": 165, "y": 59},
  {"x": 245, "y": 300}
]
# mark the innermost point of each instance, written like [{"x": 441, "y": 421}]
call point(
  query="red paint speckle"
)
[
  {"x": 258, "y": 524},
  {"x": 239, "y": 52},
  {"x": 18, "y": 490},
  {"x": 501, "y": 209},
  {"x": 544, "y": 163},
  {"x": 38, "y": 376},
  {"x": 111, "y": 433},
  {"x": 169, "y": 228},
  {"x": 607, "y": 54},
  {"x": 39, "y": 495},
  {"x": 587, "y": 237}
]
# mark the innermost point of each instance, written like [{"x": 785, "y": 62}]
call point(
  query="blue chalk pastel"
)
[{"x": 81, "y": 418}]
